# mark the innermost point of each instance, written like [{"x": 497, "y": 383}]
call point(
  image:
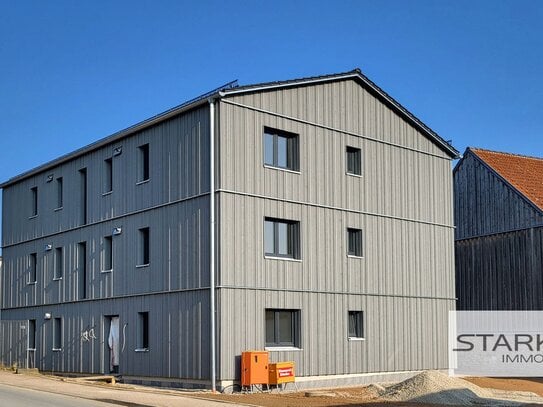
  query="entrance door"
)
[{"x": 112, "y": 344}]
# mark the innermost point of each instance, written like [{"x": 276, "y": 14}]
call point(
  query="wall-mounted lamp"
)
[
  {"x": 48, "y": 247},
  {"x": 117, "y": 151},
  {"x": 47, "y": 315},
  {"x": 117, "y": 231},
  {"x": 50, "y": 178}
]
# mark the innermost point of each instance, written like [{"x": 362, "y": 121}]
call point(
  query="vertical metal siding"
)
[
  {"x": 394, "y": 181},
  {"x": 404, "y": 283},
  {"x": 401, "y": 334},
  {"x": 179, "y": 313},
  {"x": 179, "y": 170}
]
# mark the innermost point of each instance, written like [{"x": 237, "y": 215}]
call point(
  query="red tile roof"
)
[{"x": 522, "y": 172}]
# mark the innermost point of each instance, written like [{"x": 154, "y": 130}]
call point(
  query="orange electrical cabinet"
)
[
  {"x": 282, "y": 372},
  {"x": 254, "y": 367}
]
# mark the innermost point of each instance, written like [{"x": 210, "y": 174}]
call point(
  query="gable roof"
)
[
  {"x": 357, "y": 75},
  {"x": 523, "y": 173},
  {"x": 232, "y": 88}
]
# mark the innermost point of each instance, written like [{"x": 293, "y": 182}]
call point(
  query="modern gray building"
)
[
  {"x": 499, "y": 235},
  {"x": 311, "y": 217}
]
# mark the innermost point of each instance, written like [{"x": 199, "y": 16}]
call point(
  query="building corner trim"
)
[{"x": 212, "y": 242}]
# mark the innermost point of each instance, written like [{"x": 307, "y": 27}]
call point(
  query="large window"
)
[
  {"x": 144, "y": 256},
  {"x": 281, "y": 238},
  {"x": 143, "y": 163},
  {"x": 282, "y": 327},
  {"x": 356, "y": 324},
  {"x": 59, "y": 264},
  {"x": 32, "y": 268},
  {"x": 354, "y": 242},
  {"x": 57, "y": 334},
  {"x": 354, "y": 161},
  {"x": 143, "y": 331},
  {"x": 281, "y": 149},
  {"x": 34, "y": 202}
]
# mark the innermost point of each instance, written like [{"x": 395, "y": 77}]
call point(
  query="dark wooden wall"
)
[
  {"x": 501, "y": 272},
  {"x": 485, "y": 204}
]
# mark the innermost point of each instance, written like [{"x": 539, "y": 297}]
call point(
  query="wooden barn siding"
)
[
  {"x": 501, "y": 272},
  {"x": 485, "y": 204}
]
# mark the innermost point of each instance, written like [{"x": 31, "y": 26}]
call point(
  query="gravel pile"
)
[{"x": 437, "y": 388}]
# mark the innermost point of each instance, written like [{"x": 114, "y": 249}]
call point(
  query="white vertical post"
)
[{"x": 212, "y": 240}]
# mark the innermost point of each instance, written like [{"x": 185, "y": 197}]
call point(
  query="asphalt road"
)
[{"x": 19, "y": 397}]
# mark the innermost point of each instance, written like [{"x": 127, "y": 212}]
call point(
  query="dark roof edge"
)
[
  {"x": 357, "y": 75},
  {"x": 189, "y": 105},
  {"x": 503, "y": 179}
]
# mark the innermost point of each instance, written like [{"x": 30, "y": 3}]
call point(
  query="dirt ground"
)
[
  {"x": 354, "y": 396},
  {"x": 534, "y": 384},
  {"x": 360, "y": 396}
]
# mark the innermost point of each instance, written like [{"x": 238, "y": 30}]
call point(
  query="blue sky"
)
[{"x": 72, "y": 72}]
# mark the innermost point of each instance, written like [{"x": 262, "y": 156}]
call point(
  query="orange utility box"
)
[
  {"x": 282, "y": 372},
  {"x": 254, "y": 367}
]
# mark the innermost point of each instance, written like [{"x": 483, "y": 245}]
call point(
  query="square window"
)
[
  {"x": 143, "y": 330},
  {"x": 354, "y": 242},
  {"x": 354, "y": 161},
  {"x": 281, "y": 238},
  {"x": 57, "y": 334},
  {"x": 143, "y": 163},
  {"x": 282, "y": 327},
  {"x": 281, "y": 149},
  {"x": 356, "y": 324},
  {"x": 59, "y": 264}
]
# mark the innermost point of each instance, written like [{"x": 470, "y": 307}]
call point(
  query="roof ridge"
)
[{"x": 505, "y": 153}]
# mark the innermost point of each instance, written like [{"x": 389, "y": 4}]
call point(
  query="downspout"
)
[{"x": 212, "y": 240}]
